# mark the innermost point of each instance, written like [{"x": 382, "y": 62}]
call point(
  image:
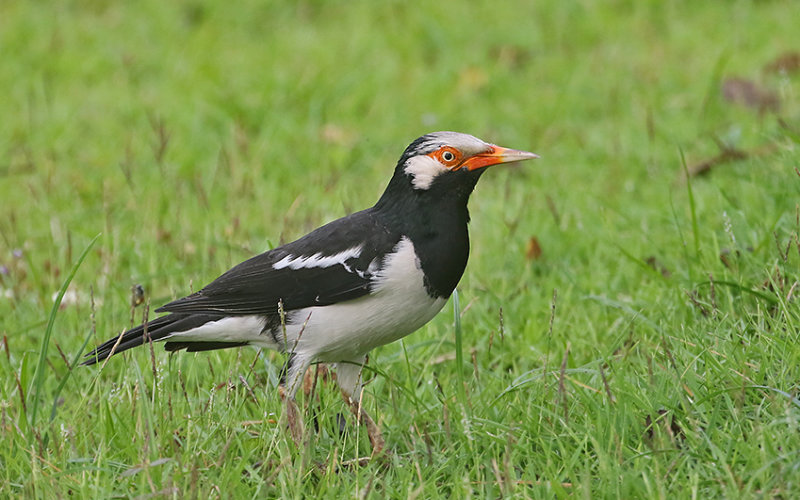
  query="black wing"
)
[{"x": 255, "y": 286}]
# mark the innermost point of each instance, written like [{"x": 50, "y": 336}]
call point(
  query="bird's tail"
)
[{"x": 158, "y": 329}]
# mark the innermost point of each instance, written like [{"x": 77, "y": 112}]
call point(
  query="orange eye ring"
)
[{"x": 448, "y": 156}]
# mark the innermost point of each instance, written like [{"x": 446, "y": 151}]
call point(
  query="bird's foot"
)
[
  {"x": 313, "y": 374},
  {"x": 373, "y": 431}
]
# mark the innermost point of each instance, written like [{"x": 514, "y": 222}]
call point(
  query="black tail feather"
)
[{"x": 157, "y": 329}]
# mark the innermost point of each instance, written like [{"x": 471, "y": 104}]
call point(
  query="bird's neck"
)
[{"x": 436, "y": 223}]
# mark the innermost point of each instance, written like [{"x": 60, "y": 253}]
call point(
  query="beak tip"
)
[
  {"x": 497, "y": 154},
  {"x": 512, "y": 155}
]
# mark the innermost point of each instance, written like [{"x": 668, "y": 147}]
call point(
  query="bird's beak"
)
[{"x": 495, "y": 155}]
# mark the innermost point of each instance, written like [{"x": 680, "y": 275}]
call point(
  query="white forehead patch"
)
[
  {"x": 423, "y": 169},
  {"x": 468, "y": 145}
]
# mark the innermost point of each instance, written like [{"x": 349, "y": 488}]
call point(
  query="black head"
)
[{"x": 426, "y": 200}]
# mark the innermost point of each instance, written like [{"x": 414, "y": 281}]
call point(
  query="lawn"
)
[{"x": 629, "y": 320}]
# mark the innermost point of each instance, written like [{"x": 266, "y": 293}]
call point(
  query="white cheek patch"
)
[{"x": 423, "y": 169}]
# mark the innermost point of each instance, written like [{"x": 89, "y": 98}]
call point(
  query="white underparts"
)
[
  {"x": 230, "y": 329},
  {"x": 317, "y": 260},
  {"x": 397, "y": 306},
  {"x": 423, "y": 170}
]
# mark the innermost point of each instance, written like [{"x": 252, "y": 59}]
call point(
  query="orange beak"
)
[{"x": 495, "y": 155}]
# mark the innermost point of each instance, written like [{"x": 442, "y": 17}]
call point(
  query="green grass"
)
[{"x": 650, "y": 351}]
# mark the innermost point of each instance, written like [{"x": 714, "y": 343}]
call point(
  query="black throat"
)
[{"x": 435, "y": 220}]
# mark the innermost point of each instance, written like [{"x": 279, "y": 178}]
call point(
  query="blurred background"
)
[
  {"x": 193, "y": 134},
  {"x": 182, "y": 128}
]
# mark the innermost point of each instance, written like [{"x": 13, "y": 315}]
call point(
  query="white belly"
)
[{"x": 397, "y": 306}]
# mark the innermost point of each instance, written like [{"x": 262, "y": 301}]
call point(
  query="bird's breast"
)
[{"x": 397, "y": 305}]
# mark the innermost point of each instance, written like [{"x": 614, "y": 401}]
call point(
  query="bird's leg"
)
[
  {"x": 294, "y": 420},
  {"x": 348, "y": 376},
  {"x": 319, "y": 373},
  {"x": 295, "y": 367}
]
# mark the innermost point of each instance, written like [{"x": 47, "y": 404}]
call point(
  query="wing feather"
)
[{"x": 256, "y": 286}]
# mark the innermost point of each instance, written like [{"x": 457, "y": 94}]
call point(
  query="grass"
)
[{"x": 648, "y": 348}]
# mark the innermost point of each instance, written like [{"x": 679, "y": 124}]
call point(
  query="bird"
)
[{"x": 354, "y": 284}]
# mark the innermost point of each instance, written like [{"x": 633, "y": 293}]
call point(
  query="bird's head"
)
[{"x": 446, "y": 157}]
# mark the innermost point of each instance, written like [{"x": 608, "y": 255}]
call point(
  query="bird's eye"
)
[{"x": 448, "y": 156}]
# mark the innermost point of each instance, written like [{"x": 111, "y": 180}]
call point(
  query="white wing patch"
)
[
  {"x": 318, "y": 260},
  {"x": 423, "y": 169}
]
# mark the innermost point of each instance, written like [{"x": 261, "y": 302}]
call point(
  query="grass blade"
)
[
  {"x": 75, "y": 361},
  {"x": 459, "y": 353},
  {"x": 692, "y": 208},
  {"x": 63, "y": 382},
  {"x": 462, "y": 385},
  {"x": 34, "y": 392}
]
